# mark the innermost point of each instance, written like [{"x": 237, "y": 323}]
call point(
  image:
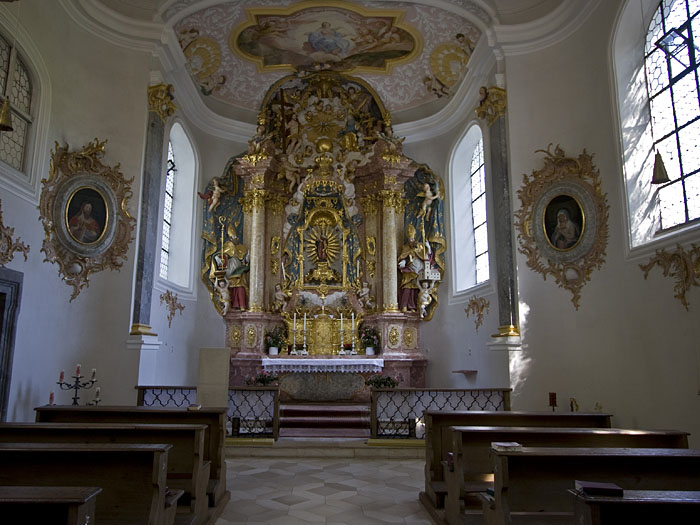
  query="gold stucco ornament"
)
[{"x": 563, "y": 221}]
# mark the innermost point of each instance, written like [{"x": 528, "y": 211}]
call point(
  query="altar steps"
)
[{"x": 324, "y": 420}]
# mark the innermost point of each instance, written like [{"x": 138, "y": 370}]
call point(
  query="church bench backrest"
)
[
  {"x": 185, "y": 460},
  {"x": 471, "y": 451},
  {"x": 537, "y": 479},
  {"x": 132, "y": 476},
  {"x": 438, "y": 438},
  {"x": 59, "y": 505},
  {"x": 214, "y": 418}
]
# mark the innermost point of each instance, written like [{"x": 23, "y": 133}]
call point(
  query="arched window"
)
[
  {"x": 671, "y": 55},
  {"x": 469, "y": 213},
  {"x": 15, "y": 85},
  {"x": 177, "y": 235}
]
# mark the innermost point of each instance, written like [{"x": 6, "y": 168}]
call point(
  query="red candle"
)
[
  {"x": 61, "y": 376},
  {"x": 51, "y": 398},
  {"x": 77, "y": 370}
]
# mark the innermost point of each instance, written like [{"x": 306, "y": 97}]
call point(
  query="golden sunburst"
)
[{"x": 322, "y": 244}]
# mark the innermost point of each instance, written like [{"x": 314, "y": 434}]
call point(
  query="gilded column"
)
[
  {"x": 393, "y": 204},
  {"x": 160, "y": 107},
  {"x": 493, "y": 110},
  {"x": 254, "y": 208}
]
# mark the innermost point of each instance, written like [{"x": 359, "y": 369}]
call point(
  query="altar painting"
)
[{"x": 334, "y": 35}]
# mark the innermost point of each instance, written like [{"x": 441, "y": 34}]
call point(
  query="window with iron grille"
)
[
  {"x": 477, "y": 179},
  {"x": 672, "y": 51},
  {"x": 468, "y": 195},
  {"x": 167, "y": 212},
  {"x": 16, "y": 86}
]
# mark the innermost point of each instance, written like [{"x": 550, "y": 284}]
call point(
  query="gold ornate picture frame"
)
[
  {"x": 563, "y": 221},
  {"x": 83, "y": 208}
]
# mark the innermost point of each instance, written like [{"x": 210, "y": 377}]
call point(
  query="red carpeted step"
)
[{"x": 324, "y": 420}]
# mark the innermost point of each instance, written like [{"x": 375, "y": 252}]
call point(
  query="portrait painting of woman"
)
[{"x": 563, "y": 222}]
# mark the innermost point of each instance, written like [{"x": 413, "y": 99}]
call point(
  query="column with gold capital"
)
[
  {"x": 392, "y": 207},
  {"x": 254, "y": 209}
]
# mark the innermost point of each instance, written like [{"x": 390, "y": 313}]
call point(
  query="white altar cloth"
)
[{"x": 312, "y": 364}]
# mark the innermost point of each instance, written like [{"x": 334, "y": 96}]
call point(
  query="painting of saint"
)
[
  {"x": 563, "y": 222},
  {"x": 86, "y": 216}
]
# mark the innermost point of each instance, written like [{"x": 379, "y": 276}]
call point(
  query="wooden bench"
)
[
  {"x": 58, "y": 505},
  {"x": 438, "y": 438},
  {"x": 637, "y": 506},
  {"x": 532, "y": 483},
  {"x": 471, "y": 471},
  {"x": 214, "y": 418},
  {"x": 187, "y": 469},
  {"x": 132, "y": 476}
]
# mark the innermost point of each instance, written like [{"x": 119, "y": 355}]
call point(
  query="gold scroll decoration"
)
[
  {"x": 161, "y": 100},
  {"x": 171, "y": 302},
  {"x": 476, "y": 307},
  {"x": 681, "y": 265},
  {"x": 8, "y": 245},
  {"x": 492, "y": 105}
]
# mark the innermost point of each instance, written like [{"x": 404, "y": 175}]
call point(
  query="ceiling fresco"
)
[{"x": 410, "y": 54}]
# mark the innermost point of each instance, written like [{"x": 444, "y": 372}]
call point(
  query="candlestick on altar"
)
[
  {"x": 353, "y": 351},
  {"x": 61, "y": 376},
  {"x": 303, "y": 350},
  {"x": 51, "y": 398}
]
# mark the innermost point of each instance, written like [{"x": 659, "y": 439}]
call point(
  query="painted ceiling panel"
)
[{"x": 410, "y": 54}]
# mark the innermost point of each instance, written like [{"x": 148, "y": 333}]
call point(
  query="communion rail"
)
[
  {"x": 253, "y": 411},
  {"x": 398, "y": 412}
]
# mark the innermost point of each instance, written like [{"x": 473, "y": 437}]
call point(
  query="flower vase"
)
[
  {"x": 369, "y": 350},
  {"x": 273, "y": 350}
]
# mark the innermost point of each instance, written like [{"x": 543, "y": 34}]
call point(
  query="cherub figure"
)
[
  {"x": 428, "y": 198},
  {"x": 280, "y": 299},
  {"x": 224, "y": 294},
  {"x": 213, "y": 196},
  {"x": 364, "y": 298},
  {"x": 424, "y": 297}
]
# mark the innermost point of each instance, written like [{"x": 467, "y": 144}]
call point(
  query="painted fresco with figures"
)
[{"x": 324, "y": 228}]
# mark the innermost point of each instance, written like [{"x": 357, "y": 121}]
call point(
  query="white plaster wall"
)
[
  {"x": 199, "y": 325},
  {"x": 630, "y": 346},
  {"x": 97, "y": 90}
]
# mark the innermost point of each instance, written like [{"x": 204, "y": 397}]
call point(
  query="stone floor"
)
[{"x": 288, "y": 491}]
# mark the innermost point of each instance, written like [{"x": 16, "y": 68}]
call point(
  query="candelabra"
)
[
  {"x": 77, "y": 384},
  {"x": 294, "y": 337}
]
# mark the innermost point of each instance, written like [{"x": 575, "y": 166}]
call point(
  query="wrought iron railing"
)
[
  {"x": 166, "y": 396},
  {"x": 398, "y": 412},
  {"x": 253, "y": 411}
]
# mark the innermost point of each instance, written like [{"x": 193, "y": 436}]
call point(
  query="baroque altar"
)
[{"x": 323, "y": 227}]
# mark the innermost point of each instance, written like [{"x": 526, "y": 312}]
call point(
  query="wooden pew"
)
[
  {"x": 532, "y": 483},
  {"x": 472, "y": 472},
  {"x": 132, "y": 476},
  {"x": 58, "y": 505},
  {"x": 186, "y": 468},
  {"x": 637, "y": 506},
  {"x": 214, "y": 418},
  {"x": 438, "y": 438}
]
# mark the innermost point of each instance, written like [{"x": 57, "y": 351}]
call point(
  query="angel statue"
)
[
  {"x": 424, "y": 297},
  {"x": 212, "y": 196}
]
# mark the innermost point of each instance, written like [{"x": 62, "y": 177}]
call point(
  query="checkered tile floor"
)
[{"x": 333, "y": 491}]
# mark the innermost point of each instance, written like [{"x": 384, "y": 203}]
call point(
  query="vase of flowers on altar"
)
[
  {"x": 369, "y": 337},
  {"x": 275, "y": 339},
  {"x": 262, "y": 379}
]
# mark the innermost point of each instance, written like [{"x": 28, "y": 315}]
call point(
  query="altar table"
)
[{"x": 314, "y": 364}]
